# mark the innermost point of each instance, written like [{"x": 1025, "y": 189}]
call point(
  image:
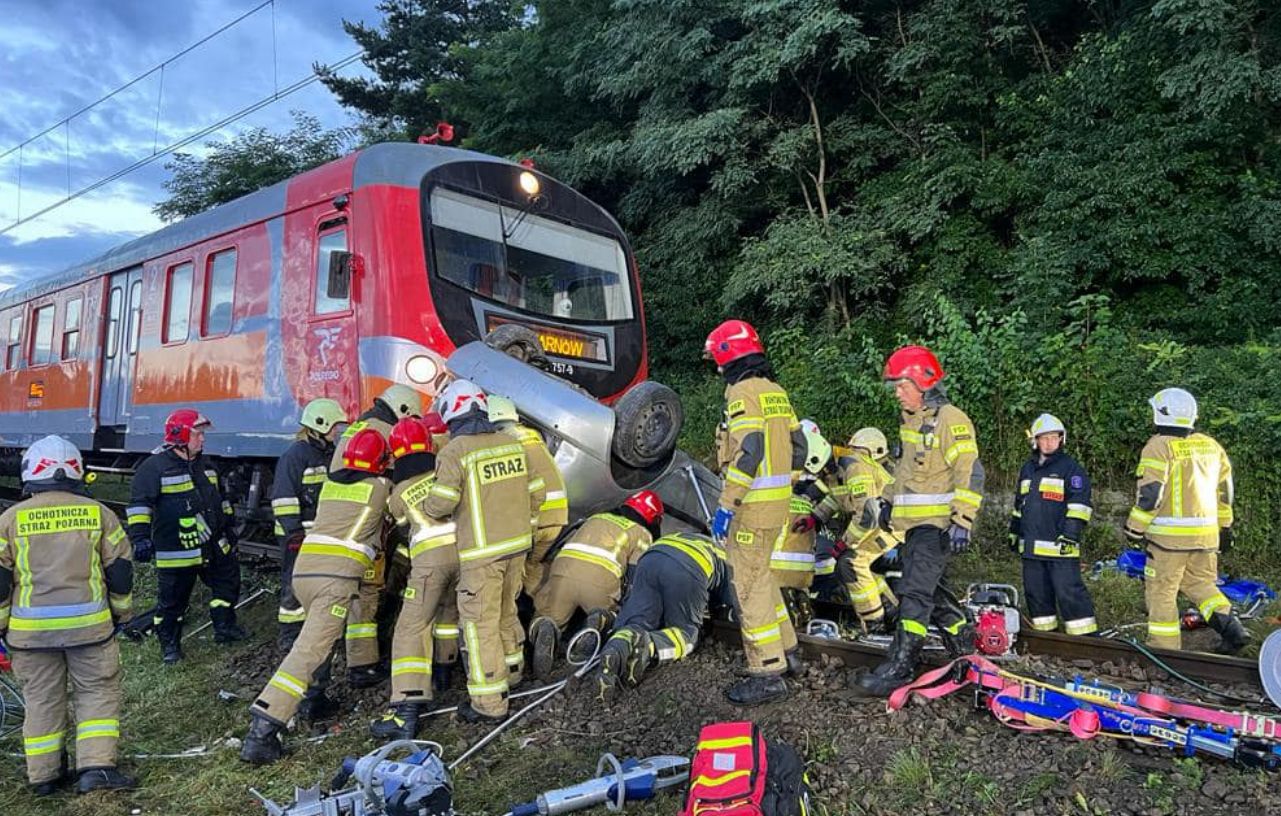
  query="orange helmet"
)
[
  {"x": 410, "y": 436},
  {"x": 647, "y": 505},
  {"x": 180, "y": 424},
  {"x": 731, "y": 340},
  {"x": 915, "y": 363},
  {"x": 366, "y": 451}
]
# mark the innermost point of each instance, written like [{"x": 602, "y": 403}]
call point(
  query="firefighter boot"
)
[
  {"x": 898, "y": 669},
  {"x": 169, "y": 633},
  {"x": 92, "y": 779},
  {"x": 795, "y": 666},
  {"x": 52, "y": 786},
  {"x": 362, "y": 677},
  {"x": 1233, "y": 636},
  {"x": 226, "y": 629},
  {"x": 640, "y": 659},
  {"x": 317, "y": 706},
  {"x": 543, "y": 633},
  {"x": 757, "y": 689},
  {"x": 400, "y": 722},
  {"x": 584, "y": 645},
  {"x": 470, "y": 715},
  {"x": 262, "y": 743},
  {"x": 960, "y": 644},
  {"x": 442, "y": 676}
]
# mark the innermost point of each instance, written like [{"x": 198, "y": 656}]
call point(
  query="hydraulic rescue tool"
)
[{"x": 615, "y": 783}]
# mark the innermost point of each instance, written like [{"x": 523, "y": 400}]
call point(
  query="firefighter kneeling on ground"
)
[
  {"x": 484, "y": 484},
  {"x": 66, "y": 578},
  {"x": 588, "y": 574},
  {"x": 177, "y": 513},
  {"x": 672, "y": 585},
  {"x": 344, "y": 543},
  {"x": 933, "y": 501},
  {"x": 295, "y": 493},
  {"x": 1051, "y": 509},
  {"x": 865, "y": 480},
  {"x": 1182, "y": 515},
  {"x": 430, "y": 594},
  {"x": 754, "y": 454}
]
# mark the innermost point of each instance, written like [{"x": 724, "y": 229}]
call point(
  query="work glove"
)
[
  {"x": 1226, "y": 539},
  {"x": 805, "y": 524},
  {"x": 883, "y": 519},
  {"x": 1013, "y": 541},
  {"x": 143, "y": 551},
  {"x": 293, "y": 541},
  {"x": 839, "y": 548},
  {"x": 958, "y": 539},
  {"x": 1134, "y": 539},
  {"x": 1068, "y": 546},
  {"x": 720, "y": 524}
]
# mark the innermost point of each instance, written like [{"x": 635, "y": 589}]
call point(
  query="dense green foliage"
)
[{"x": 1075, "y": 201}]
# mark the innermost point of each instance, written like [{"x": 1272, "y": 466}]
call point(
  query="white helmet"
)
[
  {"x": 403, "y": 400},
  {"x": 818, "y": 451},
  {"x": 1173, "y": 408},
  {"x": 460, "y": 397},
  {"x": 52, "y": 459},
  {"x": 1045, "y": 424},
  {"x": 502, "y": 409},
  {"x": 872, "y": 441}
]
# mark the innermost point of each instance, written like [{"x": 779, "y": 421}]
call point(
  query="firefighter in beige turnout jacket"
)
[
  {"x": 484, "y": 484},
  {"x": 865, "y": 480},
  {"x": 66, "y": 577},
  {"x": 335, "y": 555},
  {"x": 1183, "y": 514},
  {"x": 754, "y": 452}
]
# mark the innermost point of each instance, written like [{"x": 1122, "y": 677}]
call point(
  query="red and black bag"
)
[{"x": 737, "y": 772}]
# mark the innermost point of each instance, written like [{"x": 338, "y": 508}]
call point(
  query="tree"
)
[{"x": 250, "y": 161}]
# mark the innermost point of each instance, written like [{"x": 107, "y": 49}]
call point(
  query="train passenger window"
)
[
  {"x": 14, "y": 351},
  {"x": 135, "y": 316},
  {"x": 42, "y": 348},
  {"x": 71, "y": 330},
  {"x": 220, "y": 285},
  {"x": 178, "y": 304},
  {"x": 335, "y": 241},
  {"x": 115, "y": 304}
]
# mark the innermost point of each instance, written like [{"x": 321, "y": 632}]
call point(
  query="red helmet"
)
[
  {"x": 181, "y": 423},
  {"x": 915, "y": 363},
  {"x": 731, "y": 340},
  {"x": 366, "y": 451},
  {"x": 410, "y": 436},
  {"x": 647, "y": 504},
  {"x": 434, "y": 423}
]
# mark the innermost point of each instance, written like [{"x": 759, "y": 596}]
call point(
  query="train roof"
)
[{"x": 394, "y": 163}]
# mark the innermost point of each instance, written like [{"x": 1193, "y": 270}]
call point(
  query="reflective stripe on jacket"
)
[
  {"x": 755, "y": 452},
  {"x": 1052, "y": 500},
  {"x": 347, "y": 536},
  {"x": 1184, "y": 492},
  {"x": 939, "y": 479}
]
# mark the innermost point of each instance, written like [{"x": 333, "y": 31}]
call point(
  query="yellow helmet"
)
[
  {"x": 402, "y": 400},
  {"x": 502, "y": 409},
  {"x": 872, "y": 441},
  {"x": 322, "y": 414}
]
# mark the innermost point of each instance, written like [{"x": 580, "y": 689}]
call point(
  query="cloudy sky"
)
[{"x": 58, "y": 56}]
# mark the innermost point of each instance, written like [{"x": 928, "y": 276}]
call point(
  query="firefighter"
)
[
  {"x": 1182, "y": 515},
  {"x": 588, "y": 574},
  {"x": 865, "y": 480},
  {"x": 395, "y": 403},
  {"x": 430, "y": 593},
  {"x": 672, "y": 586},
  {"x": 1051, "y": 508},
  {"x": 792, "y": 562},
  {"x": 177, "y": 514},
  {"x": 552, "y": 518},
  {"x": 445, "y": 635},
  {"x": 484, "y": 484},
  {"x": 342, "y": 544},
  {"x": 754, "y": 452},
  {"x": 933, "y": 501},
  {"x": 66, "y": 579},
  {"x": 295, "y": 490}
]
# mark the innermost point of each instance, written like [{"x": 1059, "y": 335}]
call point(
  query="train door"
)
[
  {"x": 120, "y": 346},
  {"x": 332, "y": 342}
]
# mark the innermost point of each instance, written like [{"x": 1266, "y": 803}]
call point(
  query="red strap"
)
[
  {"x": 932, "y": 685},
  {"x": 1252, "y": 725}
]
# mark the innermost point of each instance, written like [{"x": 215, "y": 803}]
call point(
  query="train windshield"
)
[{"x": 528, "y": 261}]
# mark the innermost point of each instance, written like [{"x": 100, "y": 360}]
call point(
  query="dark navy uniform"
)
[
  {"x": 176, "y": 504},
  {"x": 295, "y": 493},
  {"x": 1051, "y": 509}
]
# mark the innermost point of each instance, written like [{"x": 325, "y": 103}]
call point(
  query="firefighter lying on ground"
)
[
  {"x": 66, "y": 579},
  {"x": 335, "y": 555},
  {"x": 1182, "y": 516},
  {"x": 587, "y": 574},
  {"x": 672, "y": 587},
  {"x": 1051, "y": 508}
]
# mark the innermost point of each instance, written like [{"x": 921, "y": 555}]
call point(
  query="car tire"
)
[{"x": 647, "y": 424}]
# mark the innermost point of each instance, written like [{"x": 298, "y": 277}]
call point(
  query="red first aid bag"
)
[{"x": 737, "y": 772}]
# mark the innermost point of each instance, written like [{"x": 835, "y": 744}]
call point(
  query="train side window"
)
[
  {"x": 115, "y": 304},
  {"x": 71, "y": 330},
  {"x": 13, "y": 353},
  {"x": 220, "y": 287},
  {"x": 329, "y": 242},
  {"x": 42, "y": 346},
  {"x": 135, "y": 316},
  {"x": 178, "y": 304}
]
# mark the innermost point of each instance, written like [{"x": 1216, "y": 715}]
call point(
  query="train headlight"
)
[
  {"x": 421, "y": 369},
  {"x": 530, "y": 184}
]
